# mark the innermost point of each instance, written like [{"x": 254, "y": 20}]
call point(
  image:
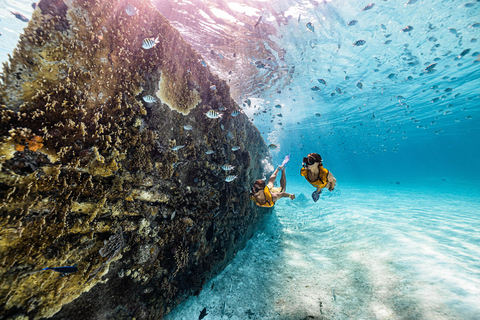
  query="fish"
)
[
  {"x": 221, "y": 56},
  {"x": 227, "y": 167},
  {"x": 176, "y": 148},
  {"x": 212, "y": 114},
  {"x": 249, "y": 102},
  {"x": 278, "y": 106},
  {"x": 209, "y": 152},
  {"x": 235, "y": 113},
  {"x": 430, "y": 67},
  {"x": 310, "y": 27},
  {"x": 410, "y": 2},
  {"x": 222, "y": 126},
  {"x": 359, "y": 43},
  {"x": 338, "y": 90},
  {"x": 19, "y": 16},
  {"x": 187, "y": 127},
  {"x": 315, "y": 88},
  {"x": 299, "y": 17},
  {"x": 149, "y": 99},
  {"x": 235, "y": 148},
  {"x": 64, "y": 270},
  {"x": 407, "y": 29},
  {"x": 464, "y": 52},
  {"x": 230, "y": 178},
  {"x": 368, "y": 7},
  {"x": 359, "y": 85},
  {"x": 258, "y": 21},
  {"x": 213, "y": 87},
  {"x": 352, "y": 23},
  {"x": 203, "y": 314},
  {"x": 149, "y": 43},
  {"x": 203, "y": 63},
  {"x": 318, "y": 114},
  {"x": 322, "y": 81},
  {"x": 272, "y": 146},
  {"x": 388, "y": 42},
  {"x": 131, "y": 10}
]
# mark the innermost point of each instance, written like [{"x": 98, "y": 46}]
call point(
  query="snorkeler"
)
[
  {"x": 266, "y": 196},
  {"x": 317, "y": 175}
]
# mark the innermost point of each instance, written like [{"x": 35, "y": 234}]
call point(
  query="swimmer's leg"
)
[{"x": 283, "y": 180}]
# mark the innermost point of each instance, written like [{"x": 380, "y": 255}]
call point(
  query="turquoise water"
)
[
  {"x": 364, "y": 252},
  {"x": 399, "y": 238}
]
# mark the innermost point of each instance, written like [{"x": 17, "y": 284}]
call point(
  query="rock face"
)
[{"x": 89, "y": 172}]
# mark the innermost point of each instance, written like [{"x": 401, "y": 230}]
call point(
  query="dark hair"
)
[
  {"x": 315, "y": 156},
  {"x": 258, "y": 184}
]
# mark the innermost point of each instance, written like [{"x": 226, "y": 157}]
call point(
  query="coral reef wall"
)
[{"x": 95, "y": 178}]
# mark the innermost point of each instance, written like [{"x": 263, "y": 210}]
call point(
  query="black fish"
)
[
  {"x": 370, "y": 6},
  {"x": 256, "y": 24},
  {"x": 352, "y": 23},
  {"x": 64, "y": 270},
  {"x": 19, "y": 16},
  {"x": 359, "y": 43},
  {"x": 203, "y": 314}
]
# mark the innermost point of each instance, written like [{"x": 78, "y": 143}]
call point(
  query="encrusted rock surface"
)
[{"x": 88, "y": 175}]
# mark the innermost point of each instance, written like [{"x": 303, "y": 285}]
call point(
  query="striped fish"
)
[
  {"x": 227, "y": 167},
  {"x": 235, "y": 113},
  {"x": 149, "y": 99},
  {"x": 230, "y": 178},
  {"x": 212, "y": 114},
  {"x": 149, "y": 43},
  {"x": 359, "y": 43}
]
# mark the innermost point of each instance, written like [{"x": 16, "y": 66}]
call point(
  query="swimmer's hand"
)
[
  {"x": 292, "y": 196},
  {"x": 316, "y": 195}
]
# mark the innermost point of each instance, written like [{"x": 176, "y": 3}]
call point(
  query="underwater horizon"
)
[{"x": 388, "y": 93}]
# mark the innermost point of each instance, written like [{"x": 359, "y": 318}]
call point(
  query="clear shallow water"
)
[{"x": 387, "y": 252}]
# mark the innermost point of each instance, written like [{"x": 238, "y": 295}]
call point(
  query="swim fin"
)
[{"x": 285, "y": 161}]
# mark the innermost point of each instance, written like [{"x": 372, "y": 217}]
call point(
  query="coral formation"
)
[{"x": 88, "y": 175}]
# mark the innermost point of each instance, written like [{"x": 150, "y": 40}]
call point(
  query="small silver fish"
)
[
  {"x": 235, "y": 148},
  {"x": 310, "y": 27},
  {"x": 209, "y": 152},
  {"x": 370, "y": 6},
  {"x": 203, "y": 63},
  {"x": 475, "y": 25},
  {"x": 213, "y": 87},
  {"x": 410, "y": 2},
  {"x": 221, "y": 57},
  {"x": 149, "y": 99},
  {"x": 149, "y": 43},
  {"x": 388, "y": 42},
  {"x": 359, "y": 85},
  {"x": 230, "y": 178},
  {"x": 430, "y": 67},
  {"x": 322, "y": 81},
  {"x": 249, "y": 102},
  {"x": 227, "y": 167},
  {"x": 315, "y": 88},
  {"x": 221, "y": 108},
  {"x": 407, "y": 29},
  {"x": 359, "y": 43},
  {"x": 338, "y": 90},
  {"x": 187, "y": 127},
  {"x": 278, "y": 106},
  {"x": 212, "y": 114},
  {"x": 176, "y": 148},
  {"x": 235, "y": 113},
  {"x": 352, "y": 23},
  {"x": 222, "y": 126},
  {"x": 131, "y": 10}
]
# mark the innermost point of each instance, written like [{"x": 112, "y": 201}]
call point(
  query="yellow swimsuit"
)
[
  {"x": 268, "y": 197},
  {"x": 322, "y": 177}
]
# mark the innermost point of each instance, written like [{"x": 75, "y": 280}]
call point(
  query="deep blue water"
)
[{"x": 399, "y": 237}]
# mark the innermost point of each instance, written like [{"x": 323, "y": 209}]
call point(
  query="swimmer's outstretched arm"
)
[{"x": 286, "y": 195}]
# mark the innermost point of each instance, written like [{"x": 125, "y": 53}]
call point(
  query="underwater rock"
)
[{"x": 88, "y": 176}]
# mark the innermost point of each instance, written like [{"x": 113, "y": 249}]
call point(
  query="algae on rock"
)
[{"x": 88, "y": 175}]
